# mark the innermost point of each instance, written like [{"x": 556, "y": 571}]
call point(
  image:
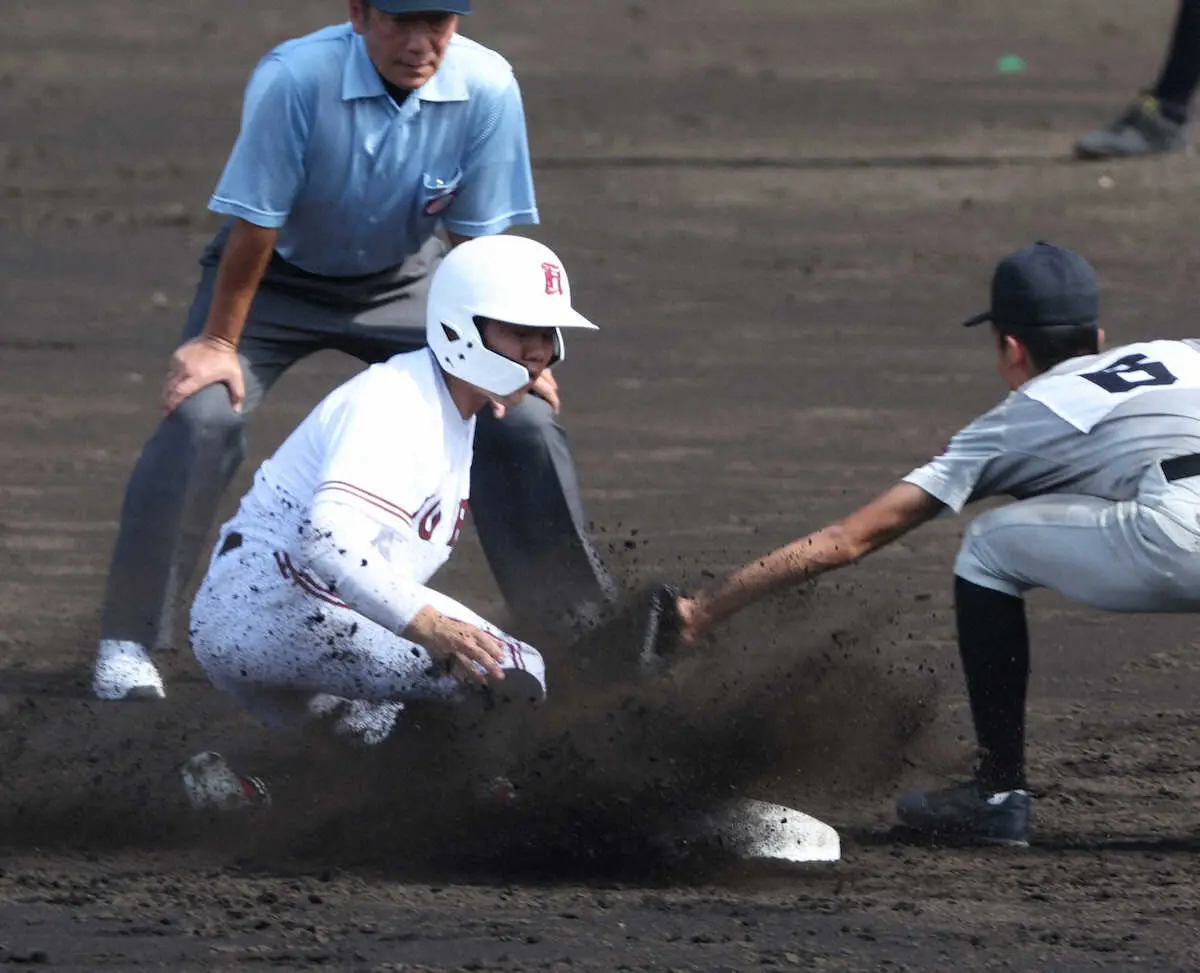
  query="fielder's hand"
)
[
  {"x": 201, "y": 362},
  {"x": 468, "y": 652},
  {"x": 663, "y": 631}
]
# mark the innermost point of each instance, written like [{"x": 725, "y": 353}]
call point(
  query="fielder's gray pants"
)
[
  {"x": 1140, "y": 555},
  {"x": 524, "y": 495}
]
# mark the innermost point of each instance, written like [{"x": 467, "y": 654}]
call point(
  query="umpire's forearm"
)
[{"x": 243, "y": 263}]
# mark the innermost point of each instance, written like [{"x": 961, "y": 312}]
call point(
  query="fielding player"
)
[{"x": 1101, "y": 451}]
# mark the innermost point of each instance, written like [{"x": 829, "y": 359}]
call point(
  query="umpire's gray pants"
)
[
  {"x": 1140, "y": 555},
  {"x": 524, "y": 494}
]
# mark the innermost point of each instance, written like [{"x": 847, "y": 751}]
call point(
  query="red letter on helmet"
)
[{"x": 553, "y": 278}]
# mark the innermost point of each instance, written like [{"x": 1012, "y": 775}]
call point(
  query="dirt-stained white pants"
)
[
  {"x": 1140, "y": 555},
  {"x": 269, "y": 634}
]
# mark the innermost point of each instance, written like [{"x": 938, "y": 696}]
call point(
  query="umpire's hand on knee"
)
[
  {"x": 468, "y": 652},
  {"x": 201, "y": 362}
]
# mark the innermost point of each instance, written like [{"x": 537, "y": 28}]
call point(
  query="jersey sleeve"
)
[
  {"x": 964, "y": 471},
  {"x": 354, "y": 555},
  {"x": 497, "y": 187},
  {"x": 265, "y": 170}
]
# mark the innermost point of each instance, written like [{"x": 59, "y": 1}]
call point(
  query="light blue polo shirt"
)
[{"x": 355, "y": 183}]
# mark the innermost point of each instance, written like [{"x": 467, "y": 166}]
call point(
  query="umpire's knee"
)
[
  {"x": 210, "y": 422},
  {"x": 530, "y": 425}
]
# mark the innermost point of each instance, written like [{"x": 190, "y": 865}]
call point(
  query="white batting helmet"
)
[{"x": 509, "y": 279}]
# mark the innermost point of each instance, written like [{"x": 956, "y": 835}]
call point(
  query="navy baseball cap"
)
[
  {"x": 1040, "y": 286},
  {"x": 422, "y": 6}
]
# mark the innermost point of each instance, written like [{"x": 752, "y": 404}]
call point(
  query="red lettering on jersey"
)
[
  {"x": 553, "y": 278},
  {"x": 429, "y": 520},
  {"x": 459, "y": 522}
]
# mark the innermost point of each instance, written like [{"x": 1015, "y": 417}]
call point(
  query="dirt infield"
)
[{"x": 778, "y": 211}]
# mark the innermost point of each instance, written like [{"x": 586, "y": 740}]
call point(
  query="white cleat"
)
[
  {"x": 499, "y": 791},
  {"x": 124, "y": 672},
  {"x": 212, "y": 785}
]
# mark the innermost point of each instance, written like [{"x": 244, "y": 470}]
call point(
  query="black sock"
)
[
  {"x": 993, "y": 642},
  {"x": 1181, "y": 71}
]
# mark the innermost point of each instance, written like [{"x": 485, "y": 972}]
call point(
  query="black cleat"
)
[
  {"x": 1142, "y": 130},
  {"x": 968, "y": 813},
  {"x": 661, "y": 628}
]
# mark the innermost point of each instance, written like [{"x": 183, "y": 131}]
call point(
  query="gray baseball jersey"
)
[
  {"x": 1028, "y": 445},
  {"x": 1080, "y": 448}
]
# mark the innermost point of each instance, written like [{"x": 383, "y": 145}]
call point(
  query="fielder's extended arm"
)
[{"x": 886, "y": 518}]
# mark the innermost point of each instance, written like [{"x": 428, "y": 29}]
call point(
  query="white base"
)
[{"x": 759, "y": 830}]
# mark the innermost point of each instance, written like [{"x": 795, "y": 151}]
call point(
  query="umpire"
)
[{"x": 357, "y": 144}]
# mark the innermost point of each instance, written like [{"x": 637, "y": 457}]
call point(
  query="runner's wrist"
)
[{"x": 424, "y": 627}]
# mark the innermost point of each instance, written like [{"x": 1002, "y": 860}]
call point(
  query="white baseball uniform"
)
[
  {"x": 1082, "y": 447},
  {"x": 340, "y": 533}
]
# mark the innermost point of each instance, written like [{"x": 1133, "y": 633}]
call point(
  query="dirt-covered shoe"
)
[
  {"x": 212, "y": 785},
  {"x": 498, "y": 791},
  {"x": 124, "y": 672},
  {"x": 1142, "y": 130},
  {"x": 968, "y": 813}
]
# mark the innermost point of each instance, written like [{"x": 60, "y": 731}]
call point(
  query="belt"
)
[{"x": 1181, "y": 467}]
